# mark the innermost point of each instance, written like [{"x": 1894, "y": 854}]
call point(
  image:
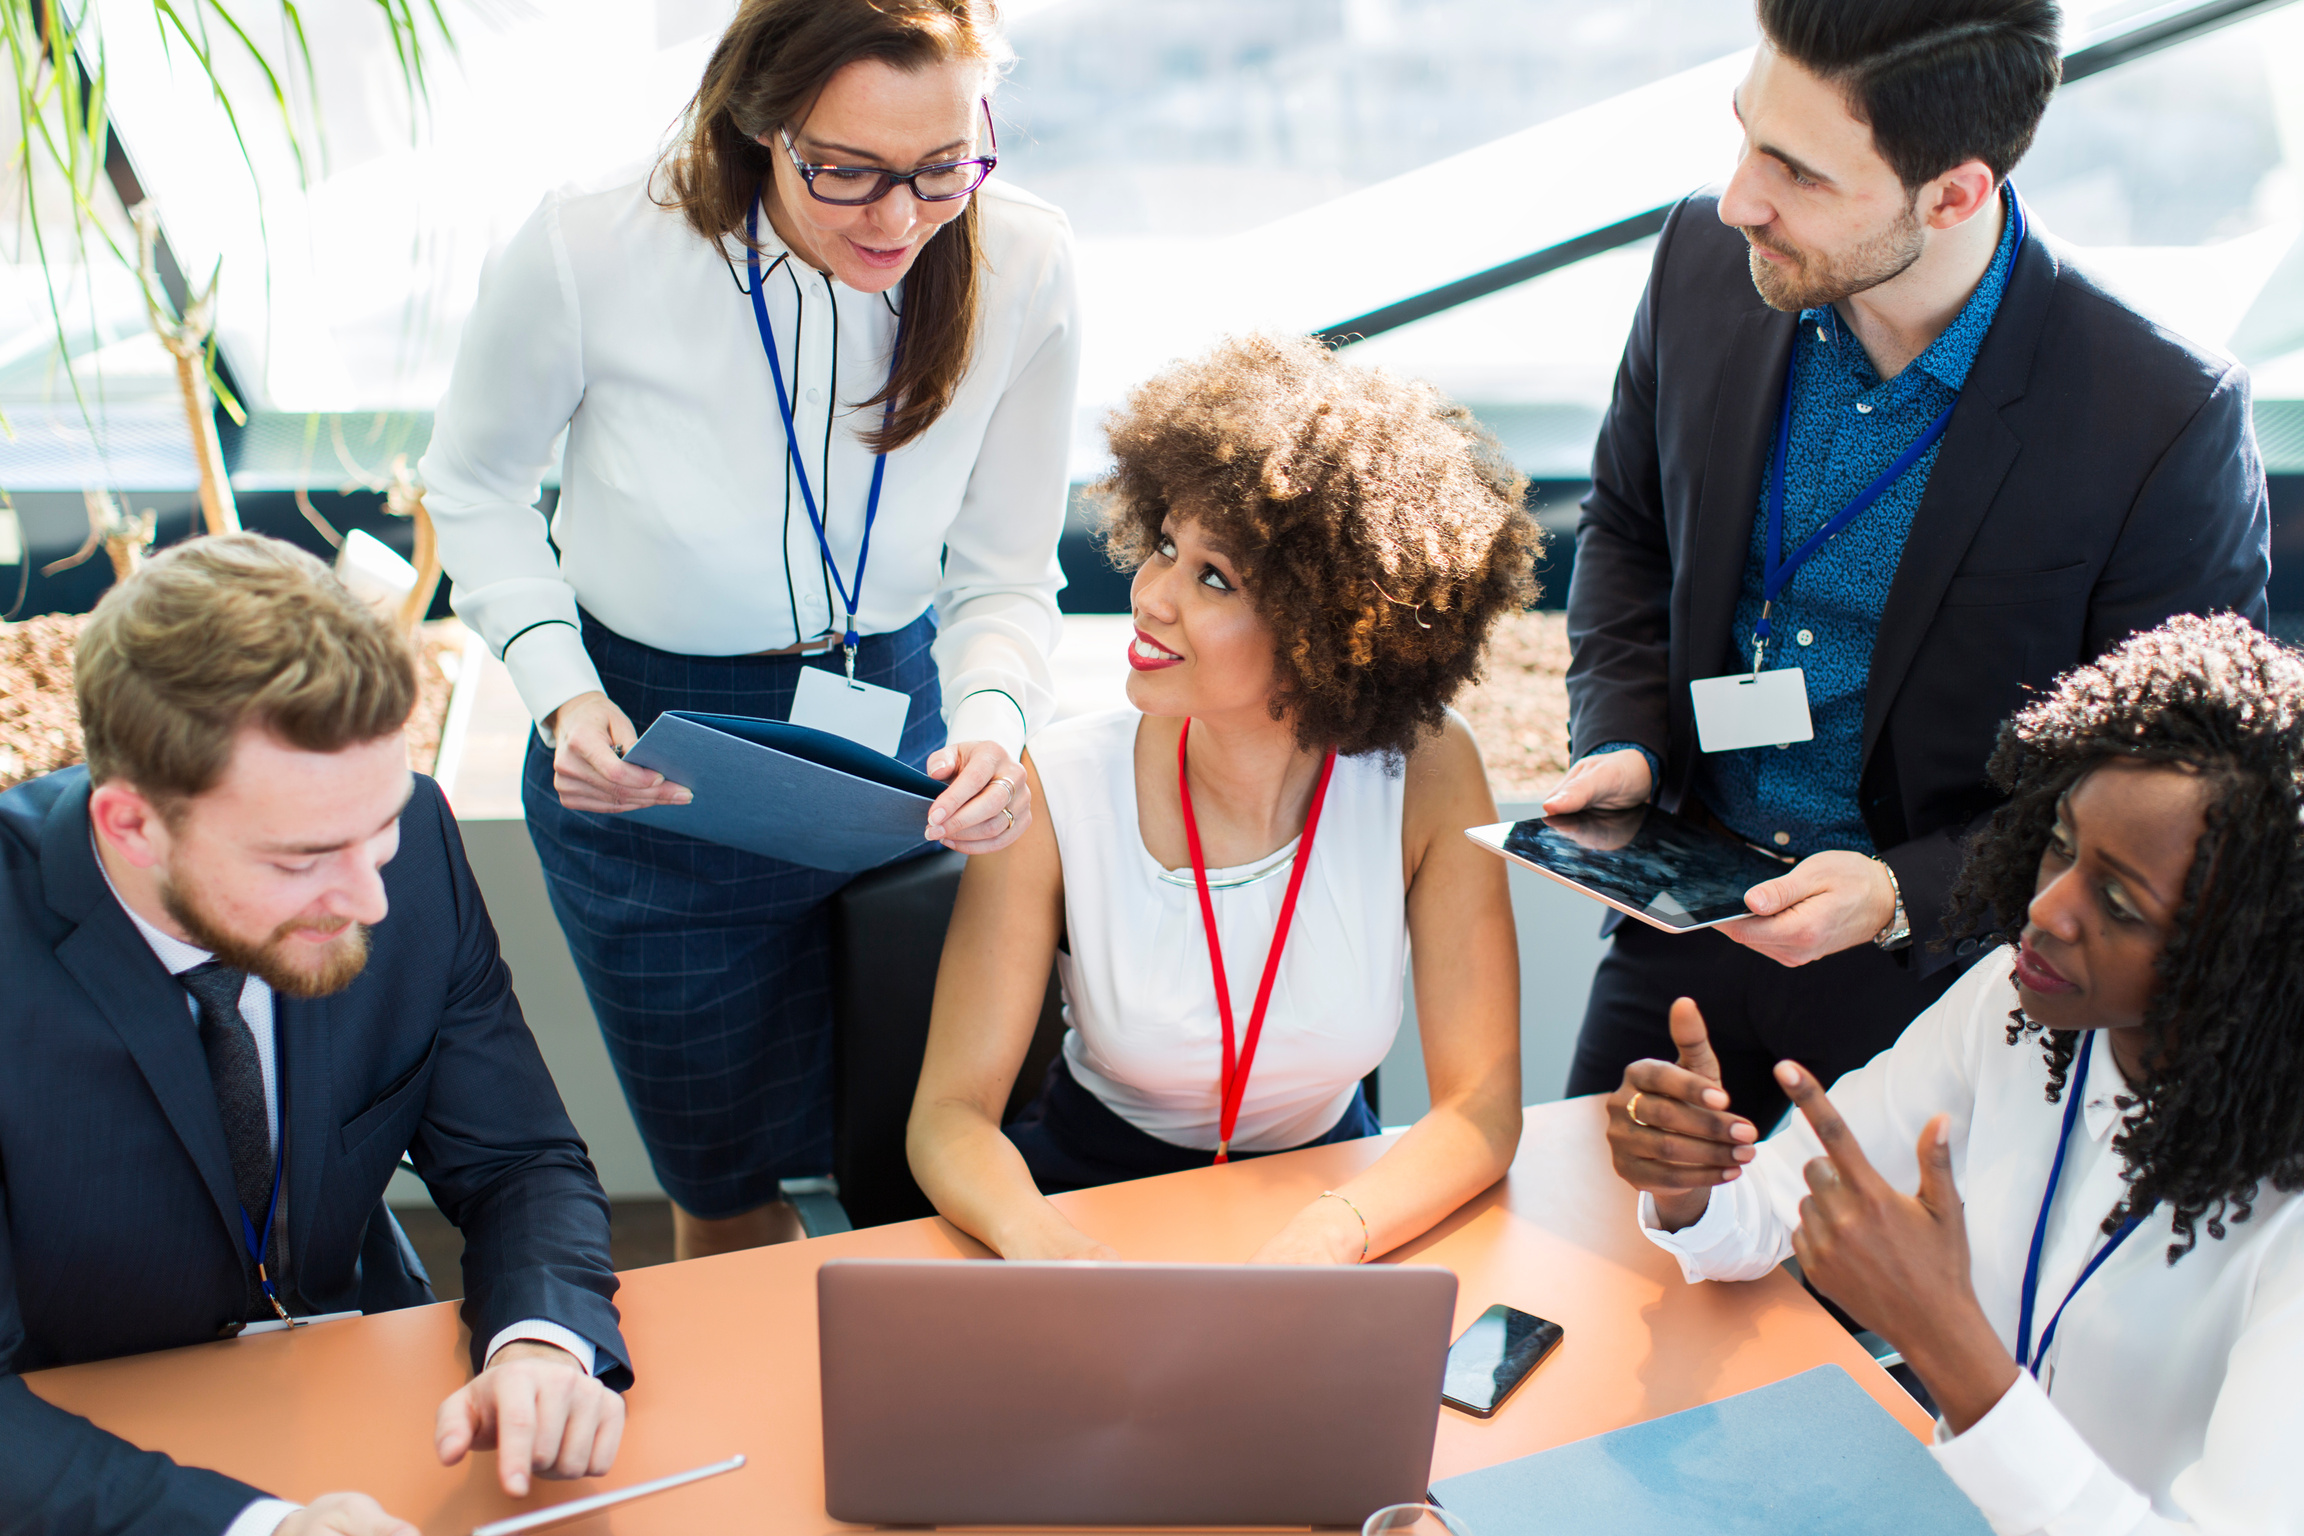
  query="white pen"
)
[{"x": 577, "y": 1509}]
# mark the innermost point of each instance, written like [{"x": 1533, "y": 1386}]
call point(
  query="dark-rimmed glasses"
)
[{"x": 848, "y": 186}]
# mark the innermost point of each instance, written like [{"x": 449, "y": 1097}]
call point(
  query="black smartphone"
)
[{"x": 1494, "y": 1355}]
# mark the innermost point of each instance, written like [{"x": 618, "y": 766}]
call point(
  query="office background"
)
[{"x": 1466, "y": 190}]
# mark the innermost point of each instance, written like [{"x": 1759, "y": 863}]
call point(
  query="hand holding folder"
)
[{"x": 785, "y": 791}]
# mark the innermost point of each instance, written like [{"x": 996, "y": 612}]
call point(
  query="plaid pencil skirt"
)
[{"x": 708, "y": 967}]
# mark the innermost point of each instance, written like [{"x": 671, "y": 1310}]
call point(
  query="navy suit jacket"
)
[
  {"x": 119, "y": 1230},
  {"x": 2100, "y": 474}
]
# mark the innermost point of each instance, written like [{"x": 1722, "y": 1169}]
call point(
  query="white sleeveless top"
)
[{"x": 1145, "y": 1036}]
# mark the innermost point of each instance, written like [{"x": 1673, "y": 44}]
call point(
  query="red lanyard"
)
[{"x": 1234, "y": 1082}]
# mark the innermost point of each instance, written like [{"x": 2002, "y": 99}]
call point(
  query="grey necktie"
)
[{"x": 238, "y": 1077}]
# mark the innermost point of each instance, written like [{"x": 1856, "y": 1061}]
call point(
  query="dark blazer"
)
[
  {"x": 119, "y": 1230},
  {"x": 2100, "y": 474}
]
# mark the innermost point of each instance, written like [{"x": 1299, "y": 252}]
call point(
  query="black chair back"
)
[{"x": 887, "y": 937}]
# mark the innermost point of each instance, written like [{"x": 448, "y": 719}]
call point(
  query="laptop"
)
[{"x": 965, "y": 1392}]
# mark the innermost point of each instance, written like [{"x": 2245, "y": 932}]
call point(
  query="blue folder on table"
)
[
  {"x": 1810, "y": 1454},
  {"x": 785, "y": 791}
]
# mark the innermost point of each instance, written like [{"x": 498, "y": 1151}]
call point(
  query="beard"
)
[
  {"x": 1814, "y": 279},
  {"x": 317, "y": 970}
]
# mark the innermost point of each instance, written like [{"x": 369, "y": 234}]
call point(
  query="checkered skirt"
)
[{"x": 709, "y": 967}]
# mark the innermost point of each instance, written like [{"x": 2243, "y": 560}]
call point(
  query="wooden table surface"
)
[{"x": 725, "y": 1348}]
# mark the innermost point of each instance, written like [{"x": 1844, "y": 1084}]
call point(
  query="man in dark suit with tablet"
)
[
  {"x": 247, "y": 969},
  {"x": 1879, "y": 460}
]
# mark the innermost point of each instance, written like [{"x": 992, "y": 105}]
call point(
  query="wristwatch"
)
[{"x": 1898, "y": 932}]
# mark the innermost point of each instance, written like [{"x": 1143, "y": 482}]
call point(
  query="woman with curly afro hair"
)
[
  {"x": 2113, "y": 1324},
  {"x": 1229, "y": 873}
]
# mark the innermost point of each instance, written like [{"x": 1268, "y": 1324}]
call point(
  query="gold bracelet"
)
[{"x": 1329, "y": 1194}]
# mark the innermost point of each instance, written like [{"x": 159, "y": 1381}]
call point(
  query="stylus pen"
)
[{"x": 577, "y": 1509}]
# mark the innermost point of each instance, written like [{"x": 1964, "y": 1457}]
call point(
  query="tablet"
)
[{"x": 1665, "y": 870}]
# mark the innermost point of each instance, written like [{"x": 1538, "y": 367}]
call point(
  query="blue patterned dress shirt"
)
[{"x": 1848, "y": 425}]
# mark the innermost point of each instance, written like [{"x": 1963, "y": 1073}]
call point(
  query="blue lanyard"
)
[
  {"x": 1779, "y": 570},
  {"x": 255, "y": 1240},
  {"x": 850, "y": 596},
  {"x": 2074, "y": 1087},
  {"x": 252, "y": 1238}
]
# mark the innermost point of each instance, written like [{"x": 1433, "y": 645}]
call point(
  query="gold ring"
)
[
  {"x": 1632, "y": 1111},
  {"x": 1011, "y": 783},
  {"x": 1011, "y": 815}
]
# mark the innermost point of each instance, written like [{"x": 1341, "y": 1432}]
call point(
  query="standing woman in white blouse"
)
[
  {"x": 2068, "y": 1194},
  {"x": 816, "y": 376}
]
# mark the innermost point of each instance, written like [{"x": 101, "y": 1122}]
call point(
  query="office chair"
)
[{"x": 887, "y": 936}]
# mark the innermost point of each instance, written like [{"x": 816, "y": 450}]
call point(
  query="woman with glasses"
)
[
  {"x": 816, "y": 378},
  {"x": 2067, "y": 1195}
]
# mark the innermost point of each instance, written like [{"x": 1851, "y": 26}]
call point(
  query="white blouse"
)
[
  {"x": 1145, "y": 1035},
  {"x": 2171, "y": 1400},
  {"x": 679, "y": 524}
]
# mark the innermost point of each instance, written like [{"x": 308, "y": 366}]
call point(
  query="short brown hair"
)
[
  {"x": 221, "y": 632},
  {"x": 1378, "y": 528},
  {"x": 1939, "y": 82},
  {"x": 766, "y": 72}
]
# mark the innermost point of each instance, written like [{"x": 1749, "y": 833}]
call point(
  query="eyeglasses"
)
[{"x": 853, "y": 186}]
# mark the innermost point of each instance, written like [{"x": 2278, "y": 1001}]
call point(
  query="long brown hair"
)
[{"x": 765, "y": 72}]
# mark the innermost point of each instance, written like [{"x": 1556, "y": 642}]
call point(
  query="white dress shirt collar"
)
[{"x": 176, "y": 954}]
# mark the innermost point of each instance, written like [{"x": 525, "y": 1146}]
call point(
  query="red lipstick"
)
[
  {"x": 2037, "y": 975},
  {"x": 1146, "y": 654}
]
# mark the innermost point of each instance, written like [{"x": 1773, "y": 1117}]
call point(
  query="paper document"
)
[{"x": 785, "y": 791}]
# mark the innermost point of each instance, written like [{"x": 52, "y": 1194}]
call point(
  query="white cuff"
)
[
  {"x": 537, "y": 1331},
  {"x": 2026, "y": 1469},
  {"x": 989, "y": 714},
  {"x": 550, "y": 666},
  {"x": 261, "y": 1518},
  {"x": 1691, "y": 1244}
]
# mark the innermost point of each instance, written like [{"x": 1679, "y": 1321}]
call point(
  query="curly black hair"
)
[
  {"x": 2222, "y": 1111},
  {"x": 1379, "y": 529}
]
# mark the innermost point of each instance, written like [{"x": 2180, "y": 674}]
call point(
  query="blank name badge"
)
[
  {"x": 1752, "y": 709},
  {"x": 865, "y": 713}
]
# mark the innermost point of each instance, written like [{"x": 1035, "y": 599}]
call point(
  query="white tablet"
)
[{"x": 1665, "y": 870}]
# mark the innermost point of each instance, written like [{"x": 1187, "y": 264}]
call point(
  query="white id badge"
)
[
  {"x": 1751, "y": 709},
  {"x": 274, "y": 1325},
  {"x": 863, "y": 712}
]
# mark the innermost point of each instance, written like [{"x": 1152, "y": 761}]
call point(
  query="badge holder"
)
[
  {"x": 1759, "y": 709},
  {"x": 865, "y": 713}
]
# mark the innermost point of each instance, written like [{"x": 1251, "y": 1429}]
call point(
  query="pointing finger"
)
[
  {"x": 1839, "y": 1142},
  {"x": 515, "y": 1431}
]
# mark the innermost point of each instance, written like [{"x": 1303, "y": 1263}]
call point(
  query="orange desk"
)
[{"x": 725, "y": 1349}]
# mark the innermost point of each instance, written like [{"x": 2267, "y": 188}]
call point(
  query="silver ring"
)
[
  {"x": 1011, "y": 783},
  {"x": 1632, "y": 1111},
  {"x": 1011, "y": 815}
]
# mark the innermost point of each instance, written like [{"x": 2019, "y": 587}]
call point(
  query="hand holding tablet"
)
[{"x": 1667, "y": 871}]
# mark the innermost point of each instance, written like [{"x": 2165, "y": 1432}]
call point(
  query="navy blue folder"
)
[
  {"x": 786, "y": 791},
  {"x": 1810, "y": 1454}
]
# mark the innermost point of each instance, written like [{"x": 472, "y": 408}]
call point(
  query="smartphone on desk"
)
[{"x": 1495, "y": 1354}]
